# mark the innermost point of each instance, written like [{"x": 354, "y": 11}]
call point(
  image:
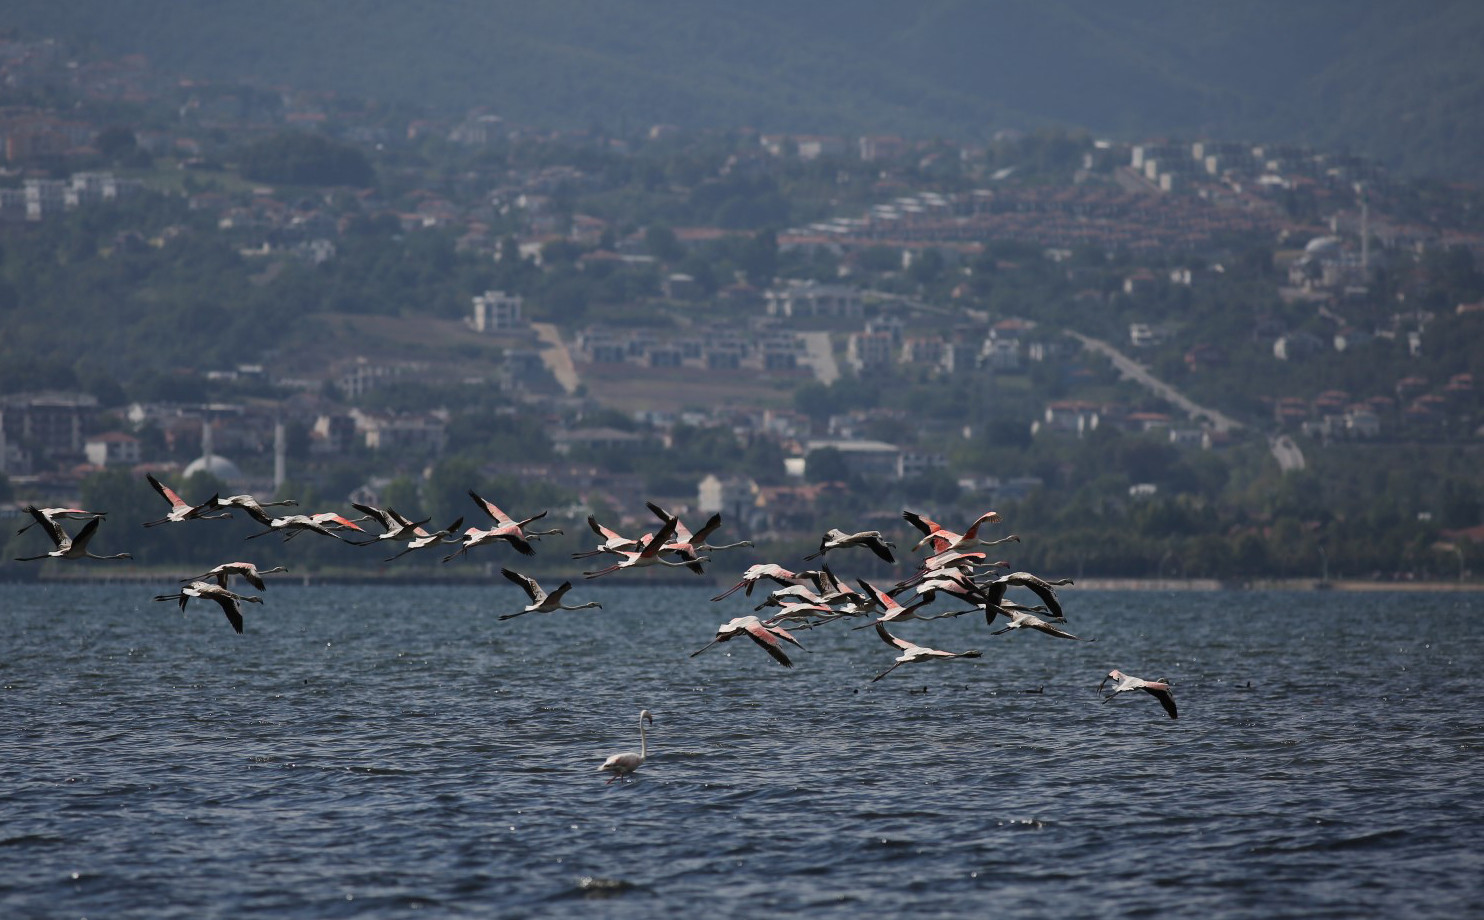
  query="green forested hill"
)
[{"x": 1399, "y": 81}]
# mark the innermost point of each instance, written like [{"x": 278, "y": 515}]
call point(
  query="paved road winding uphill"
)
[{"x": 1128, "y": 367}]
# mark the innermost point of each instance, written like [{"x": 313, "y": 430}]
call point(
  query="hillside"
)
[{"x": 1397, "y": 82}]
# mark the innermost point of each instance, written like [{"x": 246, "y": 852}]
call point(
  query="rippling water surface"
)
[{"x": 380, "y": 752}]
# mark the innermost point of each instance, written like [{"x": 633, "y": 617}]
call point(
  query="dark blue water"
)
[{"x": 384, "y": 752}]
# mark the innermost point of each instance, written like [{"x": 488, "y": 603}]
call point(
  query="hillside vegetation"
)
[{"x": 1399, "y": 82}]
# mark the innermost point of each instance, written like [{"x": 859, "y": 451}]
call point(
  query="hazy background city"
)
[{"x": 1183, "y": 290}]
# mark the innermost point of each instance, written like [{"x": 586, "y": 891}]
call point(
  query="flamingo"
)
[
  {"x": 764, "y": 634},
  {"x": 179, "y": 509},
  {"x": 649, "y": 554},
  {"x": 68, "y": 547},
  {"x": 394, "y": 526},
  {"x": 893, "y": 611},
  {"x": 994, "y": 592},
  {"x": 475, "y": 536},
  {"x": 60, "y": 514},
  {"x": 1021, "y": 618},
  {"x": 246, "y": 570},
  {"x": 756, "y": 573},
  {"x": 612, "y": 540},
  {"x": 230, "y": 603},
  {"x": 870, "y": 539},
  {"x": 1159, "y": 689},
  {"x": 810, "y": 613},
  {"x": 247, "y": 502},
  {"x": 912, "y": 652},
  {"x": 789, "y": 595},
  {"x": 504, "y": 520},
  {"x": 697, "y": 542},
  {"x": 336, "y": 521},
  {"x": 953, "y": 582},
  {"x": 541, "y": 602},
  {"x": 623, "y": 765},
  {"x": 424, "y": 538},
  {"x": 942, "y": 539},
  {"x": 290, "y": 525}
]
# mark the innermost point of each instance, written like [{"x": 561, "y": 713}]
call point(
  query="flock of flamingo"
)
[{"x": 955, "y": 566}]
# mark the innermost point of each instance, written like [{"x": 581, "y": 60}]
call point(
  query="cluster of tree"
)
[{"x": 300, "y": 158}]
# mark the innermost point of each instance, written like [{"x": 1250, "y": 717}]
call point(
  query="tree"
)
[
  {"x": 827, "y": 464},
  {"x": 295, "y": 158},
  {"x": 661, "y": 243}
]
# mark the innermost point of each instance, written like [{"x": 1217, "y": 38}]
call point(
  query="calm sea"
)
[{"x": 389, "y": 752}]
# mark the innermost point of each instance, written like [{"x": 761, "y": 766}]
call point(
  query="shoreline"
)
[{"x": 158, "y": 576}]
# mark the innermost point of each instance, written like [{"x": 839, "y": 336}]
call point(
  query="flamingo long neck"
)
[{"x": 643, "y": 742}]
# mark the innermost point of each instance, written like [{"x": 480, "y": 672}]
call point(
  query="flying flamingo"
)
[
  {"x": 247, "y": 502},
  {"x": 68, "y": 547},
  {"x": 613, "y": 541},
  {"x": 230, "y": 603},
  {"x": 648, "y": 555},
  {"x": 504, "y": 520},
  {"x": 623, "y": 765},
  {"x": 394, "y": 525},
  {"x": 994, "y": 592},
  {"x": 1020, "y": 618},
  {"x": 180, "y": 510},
  {"x": 770, "y": 570},
  {"x": 912, "y": 652},
  {"x": 336, "y": 521},
  {"x": 942, "y": 540},
  {"x": 1159, "y": 689},
  {"x": 424, "y": 538},
  {"x": 60, "y": 514},
  {"x": 811, "y": 614},
  {"x": 541, "y": 602},
  {"x": 765, "y": 635},
  {"x": 891, "y": 610},
  {"x": 246, "y": 570},
  {"x": 870, "y": 539},
  {"x": 290, "y": 525},
  {"x": 697, "y": 542}
]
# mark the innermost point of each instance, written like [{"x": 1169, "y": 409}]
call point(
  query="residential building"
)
[
  {"x": 868, "y": 350},
  {"x": 812, "y": 298},
  {"x": 112, "y": 448},
  {"x": 496, "y": 311}
]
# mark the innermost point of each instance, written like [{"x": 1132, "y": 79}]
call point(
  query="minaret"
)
[
  {"x": 206, "y": 441},
  {"x": 280, "y": 456},
  {"x": 1365, "y": 235}
]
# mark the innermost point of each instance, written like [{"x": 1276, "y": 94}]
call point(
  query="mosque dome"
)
[{"x": 216, "y": 465}]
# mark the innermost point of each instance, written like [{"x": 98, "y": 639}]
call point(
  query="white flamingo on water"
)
[
  {"x": 623, "y": 765},
  {"x": 1159, "y": 689}
]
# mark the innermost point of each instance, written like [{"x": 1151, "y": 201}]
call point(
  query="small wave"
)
[
  {"x": 593, "y": 887},
  {"x": 26, "y": 840},
  {"x": 1360, "y": 841}
]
